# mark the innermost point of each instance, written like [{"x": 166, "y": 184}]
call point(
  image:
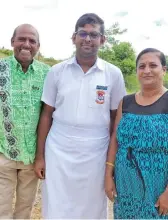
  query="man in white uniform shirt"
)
[{"x": 80, "y": 98}]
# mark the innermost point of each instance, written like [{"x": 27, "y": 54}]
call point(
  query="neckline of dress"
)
[{"x": 151, "y": 103}]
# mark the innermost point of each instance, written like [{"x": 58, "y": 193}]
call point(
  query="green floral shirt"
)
[{"x": 20, "y": 106}]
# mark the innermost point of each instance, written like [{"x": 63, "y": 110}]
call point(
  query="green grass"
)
[{"x": 2, "y": 55}]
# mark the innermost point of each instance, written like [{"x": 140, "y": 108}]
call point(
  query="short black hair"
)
[
  {"x": 152, "y": 50},
  {"x": 90, "y": 18}
]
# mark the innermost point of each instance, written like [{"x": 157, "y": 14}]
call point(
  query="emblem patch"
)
[{"x": 100, "y": 96}]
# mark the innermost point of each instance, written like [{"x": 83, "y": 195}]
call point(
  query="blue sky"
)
[{"x": 146, "y": 21}]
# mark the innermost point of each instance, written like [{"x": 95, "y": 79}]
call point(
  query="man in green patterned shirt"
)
[{"x": 21, "y": 83}]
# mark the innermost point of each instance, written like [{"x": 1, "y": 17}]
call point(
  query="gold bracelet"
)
[{"x": 111, "y": 164}]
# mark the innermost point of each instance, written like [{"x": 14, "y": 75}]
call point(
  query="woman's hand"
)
[
  {"x": 110, "y": 188},
  {"x": 162, "y": 203}
]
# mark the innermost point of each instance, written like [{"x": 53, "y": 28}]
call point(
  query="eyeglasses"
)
[{"x": 93, "y": 35}]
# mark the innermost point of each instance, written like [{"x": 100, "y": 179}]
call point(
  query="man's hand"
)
[{"x": 39, "y": 167}]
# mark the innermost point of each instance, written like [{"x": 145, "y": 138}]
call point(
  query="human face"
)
[
  {"x": 88, "y": 46},
  {"x": 25, "y": 44},
  {"x": 150, "y": 71}
]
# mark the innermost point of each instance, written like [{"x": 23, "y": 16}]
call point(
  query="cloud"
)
[
  {"x": 55, "y": 21},
  {"x": 121, "y": 14},
  {"x": 160, "y": 22},
  {"x": 35, "y": 7},
  {"x": 41, "y": 5},
  {"x": 143, "y": 37}
]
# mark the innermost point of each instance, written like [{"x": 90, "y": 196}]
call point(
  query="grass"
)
[{"x": 2, "y": 55}]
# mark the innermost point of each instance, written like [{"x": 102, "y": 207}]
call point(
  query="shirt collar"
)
[
  {"x": 17, "y": 65},
  {"x": 98, "y": 64}
]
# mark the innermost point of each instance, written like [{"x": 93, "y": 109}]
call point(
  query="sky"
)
[{"x": 146, "y": 22}]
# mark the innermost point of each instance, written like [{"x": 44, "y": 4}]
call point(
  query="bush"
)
[{"x": 132, "y": 84}]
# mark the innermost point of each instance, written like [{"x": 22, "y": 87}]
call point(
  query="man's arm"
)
[
  {"x": 117, "y": 94},
  {"x": 44, "y": 126},
  {"x": 112, "y": 120}
]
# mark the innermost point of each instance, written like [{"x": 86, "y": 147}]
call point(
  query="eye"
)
[
  {"x": 32, "y": 41},
  {"x": 21, "y": 39},
  {"x": 82, "y": 34},
  {"x": 94, "y": 35},
  {"x": 141, "y": 67},
  {"x": 153, "y": 65}
]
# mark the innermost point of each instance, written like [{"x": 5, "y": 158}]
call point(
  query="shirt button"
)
[
  {"x": 24, "y": 92},
  {"x": 25, "y": 107}
]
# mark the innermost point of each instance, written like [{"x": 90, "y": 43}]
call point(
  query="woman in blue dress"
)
[{"x": 136, "y": 175}]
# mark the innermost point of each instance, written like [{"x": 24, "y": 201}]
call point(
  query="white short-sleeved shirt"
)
[{"x": 83, "y": 99}]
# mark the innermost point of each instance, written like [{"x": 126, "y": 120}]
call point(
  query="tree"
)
[
  {"x": 111, "y": 34},
  {"x": 166, "y": 61},
  {"x": 118, "y": 53},
  {"x": 125, "y": 57}
]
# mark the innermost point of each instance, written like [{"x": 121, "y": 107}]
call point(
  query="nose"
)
[
  {"x": 88, "y": 38},
  {"x": 147, "y": 69},
  {"x": 27, "y": 43}
]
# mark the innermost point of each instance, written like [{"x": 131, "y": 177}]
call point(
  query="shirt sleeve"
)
[
  {"x": 118, "y": 91},
  {"x": 50, "y": 88}
]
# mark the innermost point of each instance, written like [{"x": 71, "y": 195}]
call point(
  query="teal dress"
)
[{"x": 141, "y": 166}]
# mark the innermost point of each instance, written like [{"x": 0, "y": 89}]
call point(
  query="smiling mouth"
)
[
  {"x": 25, "y": 52},
  {"x": 89, "y": 46},
  {"x": 147, "y": 77}
]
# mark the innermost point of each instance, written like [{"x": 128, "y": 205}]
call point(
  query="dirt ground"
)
[{"x": 36, "y": 214}]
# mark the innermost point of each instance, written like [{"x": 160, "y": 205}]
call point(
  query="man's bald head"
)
[
  {"x": 25, "y": 26},
  {"x": 25, "y": 43}
]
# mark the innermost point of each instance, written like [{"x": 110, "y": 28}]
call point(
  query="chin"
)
[
  {"x": 26, "y": 59},
  {"x": 87, "y": 55},
  {"x": 147, "y": 82},
  {"x": 148, "y": 85}
]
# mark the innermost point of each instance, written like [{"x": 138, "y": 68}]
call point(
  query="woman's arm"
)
[
  {"x": 111, "y": 154},
  {"x": 110, "y": 161}
]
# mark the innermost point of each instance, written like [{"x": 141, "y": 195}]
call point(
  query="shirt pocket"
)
[
  {"x": 99, "y": 99},
  {"x": 36, "y": 93}
]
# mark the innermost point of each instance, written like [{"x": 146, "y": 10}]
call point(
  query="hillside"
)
[{"x": 50, "y": 61}]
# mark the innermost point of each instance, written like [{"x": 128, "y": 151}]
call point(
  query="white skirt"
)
[{"x": 75, "y": 167}]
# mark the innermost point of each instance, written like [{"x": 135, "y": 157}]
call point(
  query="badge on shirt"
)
[{"x": 100, "y": 94}]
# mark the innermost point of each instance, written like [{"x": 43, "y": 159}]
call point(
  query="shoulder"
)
[
  {"x": 59, "y": 68},
  {"x": 56, "y": 70},
  {"x": 40, "y": 65},
  {"x": 5, "y": 63},
  {"x": 5, "y": 59},
  {"x": 110, "y": 68},
  {"x": 128, "y": 99},
  {"x": 165, "y": 96}
]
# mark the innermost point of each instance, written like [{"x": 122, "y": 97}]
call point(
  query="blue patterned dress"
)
[{"x": 141, "y": 166}]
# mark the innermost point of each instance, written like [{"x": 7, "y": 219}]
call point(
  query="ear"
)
[
  {"x": 38, "y": 46},
  {"x": 102, "y": 40},
  {"x": 164, "y": 70},
  {"x": 12, "y": 41},
  {"x": 73, "y": 38}
]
